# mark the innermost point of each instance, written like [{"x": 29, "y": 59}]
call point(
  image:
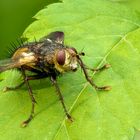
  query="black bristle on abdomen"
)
[{"x": 14, "y": 46}]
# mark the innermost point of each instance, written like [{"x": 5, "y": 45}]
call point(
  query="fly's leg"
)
[
  {"x": 33, "y": 77},
  {"x": 26, "y": 80},
  {"x": 89, "y": 79},
  {"x": 61, "y": 98},
  {"x": 106, "y": 66},
  {"x": 93, "y": 84}
]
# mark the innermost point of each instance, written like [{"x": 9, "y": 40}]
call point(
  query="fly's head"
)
[{"x": 66, "y": 60}]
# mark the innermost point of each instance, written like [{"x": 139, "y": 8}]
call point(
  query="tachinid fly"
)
[{"x": 47, "y": 57}]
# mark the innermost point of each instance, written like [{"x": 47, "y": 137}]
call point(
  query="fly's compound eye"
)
[
  {"x": 60, "y": 57},
  {"x": 73, "y": 49}
]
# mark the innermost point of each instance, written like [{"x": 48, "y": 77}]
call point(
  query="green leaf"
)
[{"x": 108, "y": 32}]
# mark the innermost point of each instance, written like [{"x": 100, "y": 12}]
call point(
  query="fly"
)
[{"x": 48, "y": 57}]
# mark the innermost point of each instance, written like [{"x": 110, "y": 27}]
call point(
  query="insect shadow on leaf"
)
[{"x": 48, "y": 57}]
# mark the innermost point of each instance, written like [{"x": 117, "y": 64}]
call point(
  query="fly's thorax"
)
[{"x": 66, "y": 60}]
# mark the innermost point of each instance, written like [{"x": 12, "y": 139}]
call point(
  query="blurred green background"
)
[{"x": 15, "y": 16}]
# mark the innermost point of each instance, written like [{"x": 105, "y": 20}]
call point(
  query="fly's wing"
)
[
  {"x": 57, "y": 37},
  {"x": 16, "y": 63},
  {"x": 7, "y": 64}
]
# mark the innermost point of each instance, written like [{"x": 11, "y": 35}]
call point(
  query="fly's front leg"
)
[
  {"x": 88, "y": 78},
  {"x": 106, "y": 66},
  {"x": 61, "y": 98}
]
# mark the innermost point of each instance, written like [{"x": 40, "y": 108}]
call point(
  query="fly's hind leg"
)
[
  {"x": 33, "y": 77},
  {"x": 26, "y": 80}
]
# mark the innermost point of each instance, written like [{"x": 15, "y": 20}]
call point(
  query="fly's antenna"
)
[
  {"x": 81, "y": 54},
  {"x": 82, "y": 49}
]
